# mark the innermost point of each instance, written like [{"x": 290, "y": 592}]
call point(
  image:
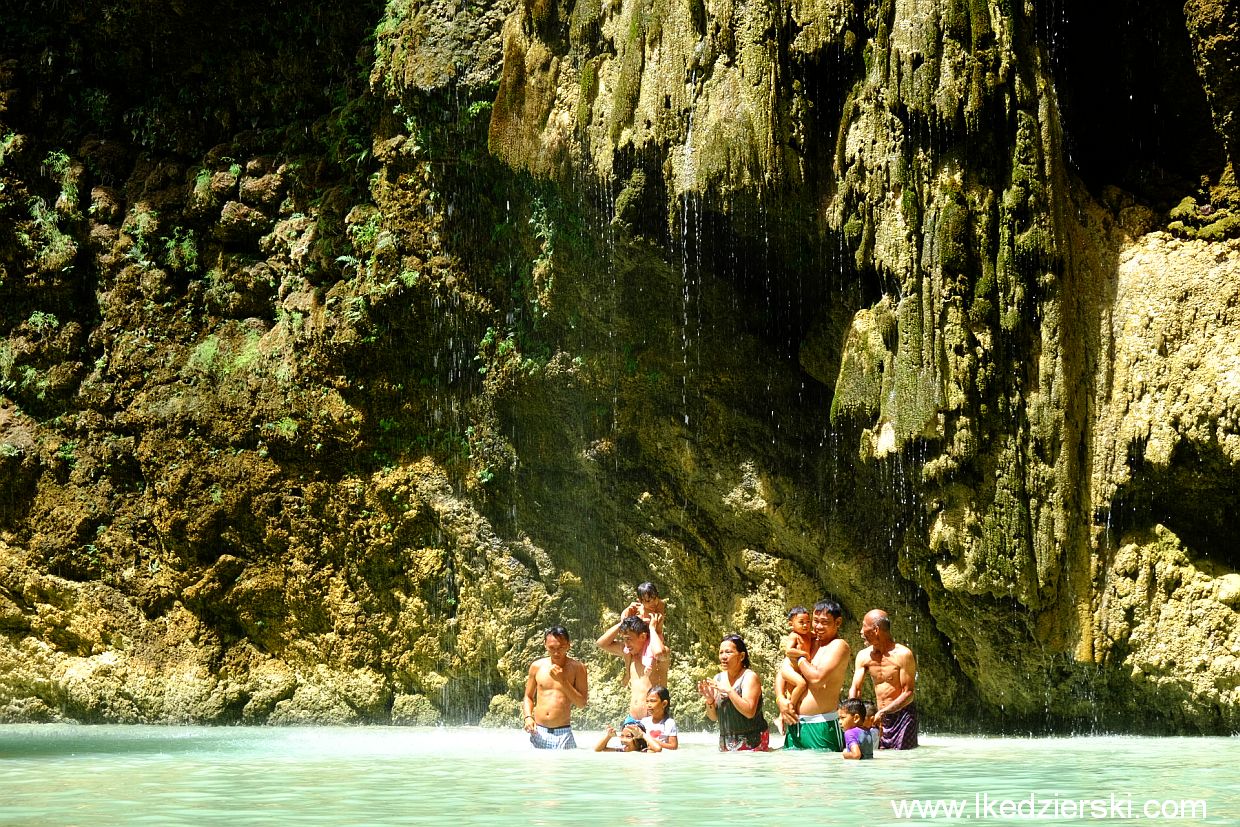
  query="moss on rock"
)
[{"x": 752, "y": 316}]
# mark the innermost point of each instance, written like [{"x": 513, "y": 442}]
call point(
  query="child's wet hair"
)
[
  {"x": 635, "y": 625},
  {"x": 797, "y": 610},
  {"x": 664, "y": 696},
  {"x": 854, "y": 706},
  {"x": 647, "y": 590},
  {"x": 639, "y": 741}
]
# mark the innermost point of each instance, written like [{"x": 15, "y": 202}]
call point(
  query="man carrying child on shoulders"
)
[{"x": 640, "y": 644}]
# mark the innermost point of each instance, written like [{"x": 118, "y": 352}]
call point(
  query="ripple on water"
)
[{"x": 387, "y": 776}]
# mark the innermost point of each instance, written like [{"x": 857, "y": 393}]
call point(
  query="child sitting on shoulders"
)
[
  {"x": 858, "y": 742},
  {"x": 650, "y": 605},
  {"x": 661, "y": 730},
  {"x": 798, "y": 643}
]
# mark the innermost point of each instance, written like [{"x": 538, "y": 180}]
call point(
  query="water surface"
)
[{"x": 114, "y": 775}]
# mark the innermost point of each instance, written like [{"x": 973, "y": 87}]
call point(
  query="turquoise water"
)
[{"x": 112, "y": 775}]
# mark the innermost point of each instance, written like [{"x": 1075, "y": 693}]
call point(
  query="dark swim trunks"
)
[{"x": 900, "y": 729}]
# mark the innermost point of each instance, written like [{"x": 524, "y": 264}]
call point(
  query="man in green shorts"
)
[{"x": 816, "y": 724}]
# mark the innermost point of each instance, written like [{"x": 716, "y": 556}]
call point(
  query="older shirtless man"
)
[
  {"x": 816, "y": 723},
  {"x": 556, "y": 684},
  {"x": 645, "y": 657},
  {"x": 893, "y": 669}
]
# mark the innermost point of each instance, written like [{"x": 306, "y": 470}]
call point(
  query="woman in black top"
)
[{"x": 734, "y": 699}]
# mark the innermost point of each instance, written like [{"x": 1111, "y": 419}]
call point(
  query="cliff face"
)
[{"x": 320, "y": 400}]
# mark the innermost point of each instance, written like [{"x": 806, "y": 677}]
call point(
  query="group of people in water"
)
[{"x": 809, "y": 686}]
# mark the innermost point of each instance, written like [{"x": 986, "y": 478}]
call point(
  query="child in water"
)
[
  {"x": 872, "y": 722},
  {"x": 858, "y": 742},
  {"x": 661, "y": 730},
  {"x": 632, "y": 739},
  {"x": 798, "y": 643}
]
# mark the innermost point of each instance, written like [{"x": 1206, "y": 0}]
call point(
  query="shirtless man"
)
[
  {"x": 645, "y": 657},
  {"x": 815, "y": 724},
  {"x": 556, "y": 684},
  {"x": 893, "y": 669}
]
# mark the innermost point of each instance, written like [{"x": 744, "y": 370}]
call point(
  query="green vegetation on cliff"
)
[{"x": 342, "y": 351}]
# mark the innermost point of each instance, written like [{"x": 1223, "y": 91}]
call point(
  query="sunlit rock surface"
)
[{"x": 334, "y": 369}]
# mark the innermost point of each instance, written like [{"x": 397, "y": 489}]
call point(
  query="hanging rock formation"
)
[{"x": 321, "y": 398}]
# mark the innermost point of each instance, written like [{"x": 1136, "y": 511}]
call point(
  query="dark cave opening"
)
[
  {"x": 1196, "y": 495},
  {"x": 787, "y": 276},
  {"x": 181, "y": 77},
  {"x": 1134, "y": 111}
]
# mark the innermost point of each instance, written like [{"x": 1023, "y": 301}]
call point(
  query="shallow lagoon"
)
[{"x": 126, "y": 775}]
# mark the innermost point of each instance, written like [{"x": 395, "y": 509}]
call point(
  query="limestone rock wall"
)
[
  {"x": 322, "y": 405},
  {"x": 1165, "y": 441}
]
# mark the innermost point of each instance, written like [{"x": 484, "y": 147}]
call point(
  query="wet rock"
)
[
  {"x": 263, "y": 192},
  {"x": 215, "y": 581},
  {"x": 107, "y": 157},
  {"x": 208, "y": 190},
  {"x": 414, "y": 710},
  {"x": 1229, "y": 590},
  {"x": 326, "y": 697},
  {"x": 240, "y": 224},
  {"x": 20, "y": 463},
  {"x": 105, "y": 205},
  {"x": 12, "y": 618}
]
